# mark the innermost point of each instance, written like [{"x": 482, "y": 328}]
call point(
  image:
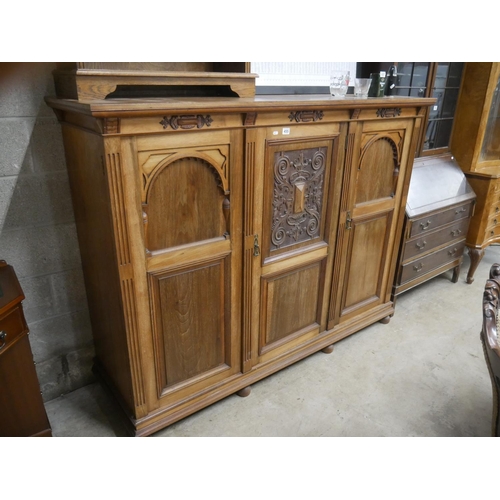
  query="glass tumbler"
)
[
  {"x": 339, "y": 82},
  {"x": 361, "y": 86}
]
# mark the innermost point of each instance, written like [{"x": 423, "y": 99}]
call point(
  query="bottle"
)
[
  {"x": 390, "y": 84},
  {"x": 381, "y": 84},
  {"x": 374, "y": 85}
]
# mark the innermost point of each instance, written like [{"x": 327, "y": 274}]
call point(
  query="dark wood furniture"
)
[
  {"x": 223, "y": 239},
  {"x": 476, "y": 147},
  {"x": 22, "y": 410},
  {"x": 438, "y": 212},
  {"x": 490, "y": 340}
]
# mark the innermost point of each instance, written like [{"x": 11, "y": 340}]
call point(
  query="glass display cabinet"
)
[
  {"x": 476, "y": 147},
  {"x": 442, "y": 81}
]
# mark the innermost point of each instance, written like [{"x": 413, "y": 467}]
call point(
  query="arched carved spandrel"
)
[
  {"x": 394, "y": 139},
  {"x": 378, "y": 167},
  {"x": 185, "y": 203},
  {"x": 215, "y": 158}
]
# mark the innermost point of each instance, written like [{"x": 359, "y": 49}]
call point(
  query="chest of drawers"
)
[
  {"x": 22, "y": 411},
  {"x": 438, "y": 212}
]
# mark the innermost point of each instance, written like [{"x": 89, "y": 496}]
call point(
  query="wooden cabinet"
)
[
  {"x": 223, "y": 239},
  {"x": 23, "y": 412},
  {"x": 476, "y": 146},
  {"x": 438, "y": 212}
]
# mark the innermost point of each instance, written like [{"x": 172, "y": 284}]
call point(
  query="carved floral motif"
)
[
  {"x": 388, "y": 112},
  {"x": 305, "y": 116},
  {"x": 186, "y": 122},
  {"x": 298, "y": 196}
]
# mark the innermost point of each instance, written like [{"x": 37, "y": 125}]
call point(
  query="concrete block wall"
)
[{"x": 37, "y": 229}]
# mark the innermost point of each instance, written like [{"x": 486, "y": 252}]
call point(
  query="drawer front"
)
[
  {"x": 492, "y": 231},
  {"x": 494, "y": 210},
  {"x": 431, "y": 222},
  {"x": 426, "y": 242},
  {"x": 421, "y": 266},
  {"x": 493, "y": 221},
  {"x": 12, "y": 326}
]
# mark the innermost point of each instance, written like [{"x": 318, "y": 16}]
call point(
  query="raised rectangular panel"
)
[
  {"x": 191, "y": 321},
  {"x": 290, "y": 304},
  {"x": 368, "y": 246}
]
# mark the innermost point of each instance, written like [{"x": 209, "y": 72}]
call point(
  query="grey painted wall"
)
[{"x": 37, "y": 229}]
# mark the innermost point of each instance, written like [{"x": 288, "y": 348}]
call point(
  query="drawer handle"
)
[
  {"x": 418, "y": 268},
  {"x": 426, "y": 225},
  {"x": 456, "y": 232},
  {"x": 463, "y": 209},
  {"x": 3, "y": 336},
  {"x": 452, "y": 252},
  {"x": 421, "y": 245}
]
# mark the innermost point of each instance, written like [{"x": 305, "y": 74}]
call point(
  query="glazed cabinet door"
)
[
  {"x": 191, "y": 203},
  {"x": 291, "y": 193},
  {"x": 376, "y": 157}
]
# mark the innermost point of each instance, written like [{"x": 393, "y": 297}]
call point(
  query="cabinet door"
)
[
  {"x": 191, "y": 201},
  {"x": 377, "y": 154},
  {"x": 292, "y": 188}
]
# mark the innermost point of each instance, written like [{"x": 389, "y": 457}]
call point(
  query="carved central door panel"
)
[
  {"x": 293, "y": 220},
  {"x": 192, "y": 240},
  {"x": 377, "y": 154}
]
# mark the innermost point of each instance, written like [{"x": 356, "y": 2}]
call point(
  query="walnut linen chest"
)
[{"x": 224, "y": 238}]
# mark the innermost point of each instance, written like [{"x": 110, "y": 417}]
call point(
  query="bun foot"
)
[
  {"x": 328, "y": 350},
  {"x": 385, "y": 320},
  {"x": 243, "y": 393}
]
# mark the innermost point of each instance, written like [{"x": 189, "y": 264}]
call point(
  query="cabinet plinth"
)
[{"x": 225, "y": 239}]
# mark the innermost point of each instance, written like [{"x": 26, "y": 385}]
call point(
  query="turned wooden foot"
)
[
  {"x": 456, "y": 274},
  {"x": 385, "y": 320},
  {"x": 328, "y": 350},
  {"x": 243, "y": 393},
  {"x": 475, "y": 254}
]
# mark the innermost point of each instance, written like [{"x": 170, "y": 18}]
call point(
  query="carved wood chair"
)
[{"x": 490, "y": 339}]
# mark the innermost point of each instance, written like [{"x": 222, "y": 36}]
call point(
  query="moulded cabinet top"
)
[
  {"x": 156, "y": 106},
  {"x": 436, "y": 183}
]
